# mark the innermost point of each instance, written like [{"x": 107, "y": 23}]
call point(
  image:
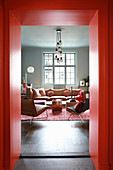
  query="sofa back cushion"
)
[
  {"x": 36, "y": 93},
  {"x": 66, "y": 93},
  {"x": 59, "y": 92},
  {"x": 50, "y": 93},
  {"x": 42, "y": 91},
  {"x": 47, "y": 90}
]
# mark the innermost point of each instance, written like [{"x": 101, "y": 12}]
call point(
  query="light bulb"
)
[
  {"x": 59, "y": 49},
  {"x": 60, "y": 42},
  {"x": 55, "y": 57},
  {"x": 56, "y": 51},
  {"x": 61, "y": 54},
  {"x": 61, "y": 59},
  {"x": 58, "y": 45}
]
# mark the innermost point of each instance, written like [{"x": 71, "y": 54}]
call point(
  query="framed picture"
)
[{"x": 82, "y": 83}]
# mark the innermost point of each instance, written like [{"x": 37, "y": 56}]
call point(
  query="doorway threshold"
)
[{"x": 55, "y": 155}]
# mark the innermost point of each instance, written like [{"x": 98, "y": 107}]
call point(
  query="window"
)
[{"x": 59, "y": 73}]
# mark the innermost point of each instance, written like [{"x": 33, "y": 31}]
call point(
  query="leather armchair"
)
[{"x": 30, "y": 109}]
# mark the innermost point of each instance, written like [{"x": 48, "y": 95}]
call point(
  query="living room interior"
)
[{"x": 38, "y": 47}]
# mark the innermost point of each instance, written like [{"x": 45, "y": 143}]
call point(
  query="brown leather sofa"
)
[{"x": 64, "y": 94}]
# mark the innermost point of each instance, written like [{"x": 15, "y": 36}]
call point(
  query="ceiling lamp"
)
[{"x": 58, "y": 51}]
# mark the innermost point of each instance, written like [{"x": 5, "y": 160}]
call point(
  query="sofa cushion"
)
[
  {"x": 42, "y": 98},
  {"x": 58, "y": 97},
  {"x": 67, "y": 98},
  {"x": 36, "y": 93},
  {"x": 66, "y": 93},
  {"x": 50, "y": 93}
]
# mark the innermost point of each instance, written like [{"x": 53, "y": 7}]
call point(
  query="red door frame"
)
[{"x": 25, "y": 16}]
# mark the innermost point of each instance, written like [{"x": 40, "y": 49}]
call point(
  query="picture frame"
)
[{"x": 82, "y": 83}]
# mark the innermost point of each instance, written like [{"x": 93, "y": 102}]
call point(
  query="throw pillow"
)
[
  {"x": 36, "y": 93},
  {"x": 50, "y": 93},
  {"x": 42, "y": 91},
  {"x": 78, "y": 107},
  {"x": 66, "y": 93},
  {"x": 79, "y": 97}
]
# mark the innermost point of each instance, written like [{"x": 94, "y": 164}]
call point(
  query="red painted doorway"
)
[{"x": 18, "y": 18}]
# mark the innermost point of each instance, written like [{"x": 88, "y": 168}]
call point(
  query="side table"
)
[{"x": 56, "y": 105}]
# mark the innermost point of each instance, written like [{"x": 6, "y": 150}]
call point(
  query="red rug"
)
[{"x": 58, "y": 116}]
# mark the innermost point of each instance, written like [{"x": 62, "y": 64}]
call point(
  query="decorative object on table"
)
[{"x": 58, "y": 51}]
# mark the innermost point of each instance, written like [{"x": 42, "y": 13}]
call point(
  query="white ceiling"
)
[{"x": 45, "y": 36}]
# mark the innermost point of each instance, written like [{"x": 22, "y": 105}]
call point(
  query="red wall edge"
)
[
  {"x": 15, "y": 89},
  {"x": 12, "y": 91},
  {"x": 111, "y": 83},
  {"x": 94, "y": 93},
  {"x": 1, "y": 85}
]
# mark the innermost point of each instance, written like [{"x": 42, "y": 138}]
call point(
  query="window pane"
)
[
  {"x": 59, "y": 75},
  {"x": 48, "y": 59},
  {"x": 48, "y": 75},
  {"x": 70, "y": 59},
  {"x": 72, "y": 81},
  {"x": 68, "y": 81},
  {"x": 70, "y": 75}
]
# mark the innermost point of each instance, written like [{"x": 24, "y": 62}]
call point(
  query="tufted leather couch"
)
[{"x": 57, "y": 94}]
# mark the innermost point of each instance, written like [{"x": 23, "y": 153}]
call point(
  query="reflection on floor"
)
[{"x": 55, "y": 137}]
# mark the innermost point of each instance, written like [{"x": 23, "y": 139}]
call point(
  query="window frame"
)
[{"x": 53, "y": 66}]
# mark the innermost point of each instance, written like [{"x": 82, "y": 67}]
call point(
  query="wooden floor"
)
[
  {"x": 55, "y": 138},
  {"x": 55, "y": 164},
  {"x": 58, "y": 140}
]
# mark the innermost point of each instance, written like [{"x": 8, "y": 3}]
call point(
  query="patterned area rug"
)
[{"x": 57, "y": 116}]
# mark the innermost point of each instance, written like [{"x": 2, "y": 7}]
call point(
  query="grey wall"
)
[{"x": 32, "y": 56}]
